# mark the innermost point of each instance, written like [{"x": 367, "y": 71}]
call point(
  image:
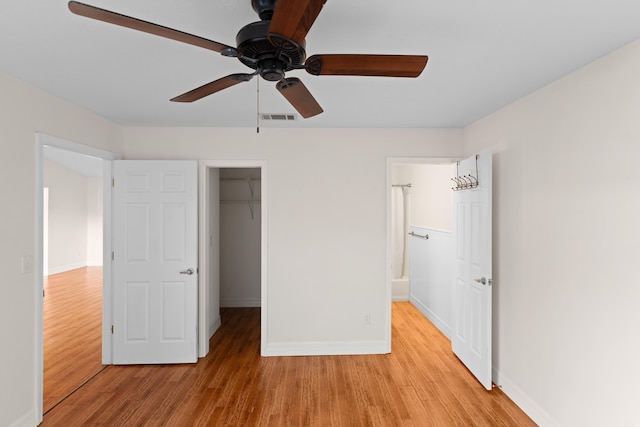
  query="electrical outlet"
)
[{"x": 366, "y": 318}]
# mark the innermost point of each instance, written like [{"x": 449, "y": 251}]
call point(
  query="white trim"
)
[
  {"x": 240, "y": 302},
  {"x": 42, "y": 140},
  {"x": 107, "y": 248},
  {"x": 433, "y": 318},
  {"x": 214, "y": 326},
  {"x": 203, "y": 340},
  {"x": 203, "y": 256},
  {"x": 39, "y": 344},
  {"x": 523, "y": 401},
  {"x": 326, "y": 348},
  {"x": 64, "y": 268},
  {"x": 87, "y": 150}
]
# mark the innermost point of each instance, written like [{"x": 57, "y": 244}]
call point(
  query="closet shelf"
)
[{"x": 250, "y": 202}]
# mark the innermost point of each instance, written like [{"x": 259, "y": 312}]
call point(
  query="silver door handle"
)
[
  {"x": 188, "y": 271},
  {"x": 481, "y": 280}
]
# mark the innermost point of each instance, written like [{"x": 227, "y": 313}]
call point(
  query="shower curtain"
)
[{"x": 397, "y": 232}]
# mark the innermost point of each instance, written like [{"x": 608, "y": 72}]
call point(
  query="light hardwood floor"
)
[
  {"x": 72, "y": 313},
  {"x": 421, "y": 383}
]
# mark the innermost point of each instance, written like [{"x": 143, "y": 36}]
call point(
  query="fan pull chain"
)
[{"x": 258, "y": 106}]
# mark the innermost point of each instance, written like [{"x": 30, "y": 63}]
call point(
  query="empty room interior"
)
[{"x": 286, "y": 245}]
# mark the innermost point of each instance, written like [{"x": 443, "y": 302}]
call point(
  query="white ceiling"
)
[{"x": 483, "y": 55}]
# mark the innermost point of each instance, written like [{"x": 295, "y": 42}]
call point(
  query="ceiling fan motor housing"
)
[{"x": 257, "y": 52}]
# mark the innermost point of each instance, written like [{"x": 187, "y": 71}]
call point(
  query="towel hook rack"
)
[{"x": 465, "y": 182}]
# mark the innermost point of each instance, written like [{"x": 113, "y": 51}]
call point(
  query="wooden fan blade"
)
[
  {"x": 144, "y": 26},
  {"x": 292, "y": 20},
  {"x": 367, "y": 65},
  {"x": 299, "y": 96},
  {"x": 213, "y": 87}
]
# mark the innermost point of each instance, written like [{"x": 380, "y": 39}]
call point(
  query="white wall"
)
[
  {"x": 239, "y": 239},
  {"x": 67, "y": 217},
  {"x": 430, "y": 195},
  {"x": 94, "y": 220},
  {"x": 566, "y": 233},
  {"x": 430, "y": 276},
  {"x": 25, "y": 110},
  {"x": 75, "y": 218},
  {"x": 327, "y": 222}
]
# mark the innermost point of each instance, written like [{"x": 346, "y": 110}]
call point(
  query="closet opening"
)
[
  {"x": 233, "y": 242},
  {"x": 240, "y": 229}
]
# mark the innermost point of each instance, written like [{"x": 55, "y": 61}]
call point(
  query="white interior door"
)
[
  {"x": 471, "y": 340},
  {"x": 155, "y": 295}
]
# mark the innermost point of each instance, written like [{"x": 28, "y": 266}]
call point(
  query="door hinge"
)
[
  {"x": 43, "y": 293},
  {"x": 112, "y": 329},
  {"x": 113, "y": 182},
  {"x": 113, "y": 256}
]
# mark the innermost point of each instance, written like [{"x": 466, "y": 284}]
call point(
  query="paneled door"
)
[
  {"x": 471, "y": 340},
  {"x": 155, "y": 262}
]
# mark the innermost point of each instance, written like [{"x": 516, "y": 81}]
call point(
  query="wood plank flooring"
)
[
  {"x": 72, "y": 314},
  {"x": 421, "y": 383}
]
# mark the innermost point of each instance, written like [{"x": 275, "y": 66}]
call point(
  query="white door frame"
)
[
  {"x": 390, "y": 162},
  {"x": 204, "y": 215},
  {"x": 41, "y": 141}
]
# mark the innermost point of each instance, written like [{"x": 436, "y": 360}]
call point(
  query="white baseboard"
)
[
  {"x": 214, "y": 326},
  {"x": 524, "y": 402},
  {"x": 27, "y": 420},
  {"x": 433, "y": 318},
  {"x": 240, "y": 302},
  {"x": 325, "y": 348},
  {"x": 68, "y": 267}
]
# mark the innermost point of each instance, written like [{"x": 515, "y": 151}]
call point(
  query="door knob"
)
[
  {"x": 481, "y": 280},
  {"x": 188, "y": 271}
]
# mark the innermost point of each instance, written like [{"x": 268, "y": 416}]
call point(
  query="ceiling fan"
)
[{"x": 271, "y": 47}]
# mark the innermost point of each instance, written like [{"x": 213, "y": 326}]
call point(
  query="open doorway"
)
[
  {"x": 449, "y": 252},
  {"x": 72, "y": 263},
  {"x": 420, "y": 249},
  {"x": 233, "y": 241},
  {"x": 99, "y": 159}
]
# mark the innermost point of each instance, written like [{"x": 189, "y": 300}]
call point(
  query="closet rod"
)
[
  {"x": 402, "y": 185},
  {"x": 240, "y": 179},
  {"x": 240, "y": 201}
]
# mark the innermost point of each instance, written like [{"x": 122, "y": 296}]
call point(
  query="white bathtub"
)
[{"x": 400, "y": 289}]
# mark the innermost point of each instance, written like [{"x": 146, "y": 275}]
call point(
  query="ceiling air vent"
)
[{"x": 285, "y": 117}]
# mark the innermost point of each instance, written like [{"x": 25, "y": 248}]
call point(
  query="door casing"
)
[{"x": 42, "y": 140}]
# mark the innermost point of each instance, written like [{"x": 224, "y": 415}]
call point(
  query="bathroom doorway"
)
[{"x": 420, "y": 212}]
